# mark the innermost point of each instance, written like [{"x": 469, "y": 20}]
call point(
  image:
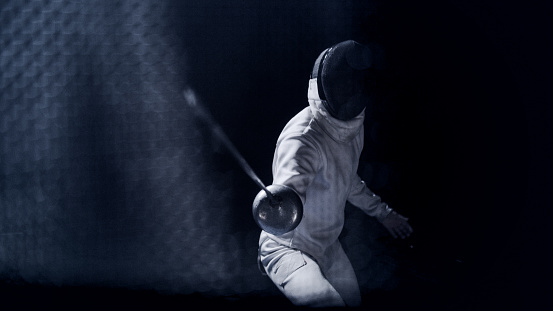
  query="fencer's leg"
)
[
  {"x": 308, "y": 287},
  {"x": 298, "y": 276},
  {"x": 339, "y": 272}
]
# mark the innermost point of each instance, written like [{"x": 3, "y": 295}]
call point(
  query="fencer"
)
[{"x": 317, "y": 155}]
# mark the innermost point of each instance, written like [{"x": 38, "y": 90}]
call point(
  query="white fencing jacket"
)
[{"x": 317, "y": 156}]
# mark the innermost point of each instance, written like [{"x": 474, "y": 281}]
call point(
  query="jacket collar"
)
[{"x": 341, "y": 131}]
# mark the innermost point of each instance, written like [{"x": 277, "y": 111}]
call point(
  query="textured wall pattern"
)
[{"x": 104, "y": 178}]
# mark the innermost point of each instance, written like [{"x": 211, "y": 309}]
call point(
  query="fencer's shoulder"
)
[
  {"x": 299, "y": 121},
  {"x": 300, "y": 128}
]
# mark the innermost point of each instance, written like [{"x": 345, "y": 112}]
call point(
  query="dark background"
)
[{"x": 111, "y": 191}]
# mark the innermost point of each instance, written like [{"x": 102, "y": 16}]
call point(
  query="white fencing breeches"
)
[{"x": 307, "y": 283}]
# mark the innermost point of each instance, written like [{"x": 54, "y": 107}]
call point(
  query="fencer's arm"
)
[
  {"x": 295, "y": 165},
  {"x": 366, "y": 200},
  {"x": 362, "y": 197}
]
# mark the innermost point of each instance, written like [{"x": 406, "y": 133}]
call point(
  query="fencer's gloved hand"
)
[{"x": 397, "y": 225}]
